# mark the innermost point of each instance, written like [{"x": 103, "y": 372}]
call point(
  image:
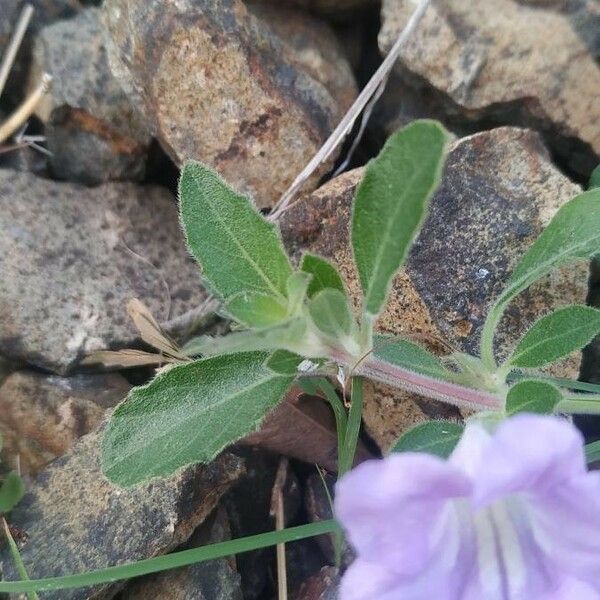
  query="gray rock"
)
[
  {"x": 42, "y": 416},
  {"x": 329, "y": 8},
  {"x": 217, "y": 83},
  {"x": 510, "y": 62},
  {"x": 73, "y": 256},
  {"x": 45, "y": 12},
  {"x": 213, "y": 580},
  {"x": 500, "y": 189},
  {"x": 75, "y": 520},
  {"x": 94, "y": 132}
]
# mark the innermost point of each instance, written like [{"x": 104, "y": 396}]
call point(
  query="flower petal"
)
[
  {"x": 528, "y": 453},
  {"x": 395, "y": 510}
]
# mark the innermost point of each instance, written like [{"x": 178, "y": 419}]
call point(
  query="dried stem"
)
[
  {"x": 15, "y": 43},
  {"x": 26, "y": 109},
  {"x": 347, "y": 123}
]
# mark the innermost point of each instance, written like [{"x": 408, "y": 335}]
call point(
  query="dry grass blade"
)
[
  {"x": 23, "y": 112},
  {"x": 150, "y": 331},
  {"x": 15, "y": 43},
  {"x": 124, "y": 359},
  {"x": 278, "y": 511},
  {"x": 346, "y": 124}
]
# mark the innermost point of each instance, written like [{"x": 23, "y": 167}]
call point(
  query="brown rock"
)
[
  {"x": 499, "y": 191},
  {"x": 76, "y": 520},
  {"x": 323, "y": 585},
  {"x": 218, "y": 84},
  {"x": 329, "y": 8},
  {"x": 94, "y": 132},
  {"x": 506, "y": 62},
  {"x": 71, "y": 259},
  {"x": 212, "y": 580},
  {"x": 42, "y": 416}
]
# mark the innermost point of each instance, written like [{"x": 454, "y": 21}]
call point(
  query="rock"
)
[
  {"x": 94, "y": 132},
  {"x": 218, "y": 84},
  {"x": 213, "y": 580},
  {"x": 329, "y": 8},
  {"x": 321, "y": 586},
  {"x": 42, "y": 416},
  {"x": 318, "y": 506},
  {"x": 303, "y": 560},
  {"x": 76, "y": 520},
  {"x": 508, "y": 62},
  {"x": 45, "y": 12},
  {"x": 500, "y": 189},
  {"x": 72, "y": 257}
]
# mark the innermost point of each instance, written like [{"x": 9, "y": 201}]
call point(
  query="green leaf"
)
[
  {"x": 12, "y": 490},
  {"x": 391, "y": 203},
  {"x": 297, "y": 288},
  {"x": 410, "y": 356},
  {"x": 573, "y": 234},
  {"x": 532, "y": 396},
  {"x": 331, "y": 314},
  {"x": 188, "y": 414},
  {"x": 284, "y": 362},
  {"x": 433, "y": 437},
  {"x": 556, "y": 335},
  {"x": 181, "y": 558},
  {"x": 237, "y": 249},
  {"x": 592, "y": 452},
  {"x": 594, "y": 179},
  {"x": 256, "y": 310},
  {"x": 324, "y": 274}
]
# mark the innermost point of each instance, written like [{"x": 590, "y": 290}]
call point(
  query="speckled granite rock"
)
[
  {"x": 511, "y": 62},
  {"x": 499, "y": 190},
  {"x": 77, "y": 521},
  {"x": 94, "y": 132},
  {"x": 72, "y": 257},
  {"x": 213, "y": 580},
  {"x": 42, "y": 416},
  {"x": 218, "y": 84}
]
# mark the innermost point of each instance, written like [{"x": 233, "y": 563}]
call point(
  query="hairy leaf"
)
[
  {"x": 12, "y": 489},
  {"x": 556, "y": 335},
  {"x": 256, "y": 310},
  {"x": 284, "y": 362},
  {"x": 573, "y": 234},
  {"x": 433, "y": 437},
  {"x": 297, "y": 289},
  {"x": 595, "y": 179},
  {"x": 324, "y": 274},
  {"x": 331, "y": 314},
  {"x": 532, "y": 396},
  {"x": 238, "y": 250},
  {"x": 390, "y": 205},
  {"x": 188, "y": 415},
  {"x": 409, "y": 355}
]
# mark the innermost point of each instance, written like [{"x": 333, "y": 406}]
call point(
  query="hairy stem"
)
[{"x": 437, "y": 389}]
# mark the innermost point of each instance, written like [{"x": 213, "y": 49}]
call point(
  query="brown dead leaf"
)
[
  {"x": 123, "y": 359},
  {"x": 150, "y": 331}
]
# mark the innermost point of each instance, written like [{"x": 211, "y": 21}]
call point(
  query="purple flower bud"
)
[{"x": 510, "y": 516}]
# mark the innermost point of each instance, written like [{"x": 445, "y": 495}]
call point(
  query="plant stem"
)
[
  {"x": 16, "y": 556},
  {"x": 346, "y": 460},
  {"x": 338, "y": 410},
  {"x": 579, "y": 404},
  {"x": 171, "y": 561},
  {"x": 411, "y": 381}
]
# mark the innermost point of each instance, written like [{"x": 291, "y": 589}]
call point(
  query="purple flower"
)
[{"x": 509, "y": 516}]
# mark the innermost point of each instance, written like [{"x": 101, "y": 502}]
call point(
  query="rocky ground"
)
[{"x": 253, "y": 89}]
